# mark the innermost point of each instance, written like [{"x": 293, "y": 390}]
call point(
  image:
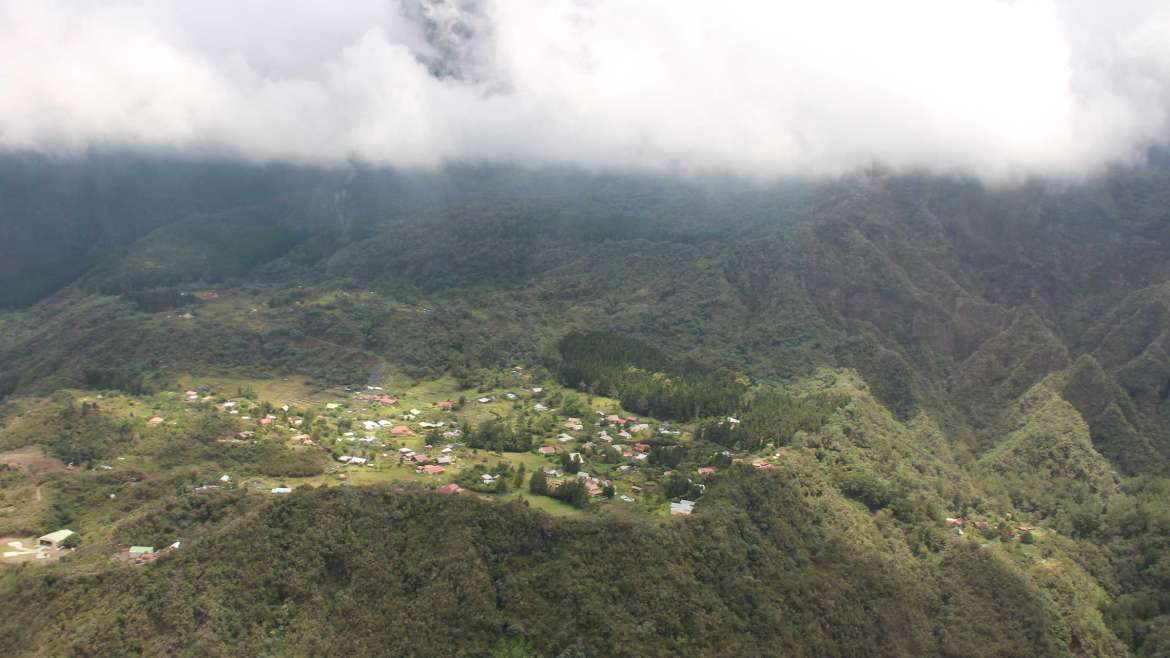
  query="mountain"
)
[{"x": 1000, "y": 354}]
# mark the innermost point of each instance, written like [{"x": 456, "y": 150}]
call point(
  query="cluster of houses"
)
[
  {"x": 593, "y": 486},
  {"x": 958, "y": 523},
  {"x": 378, "y": 431}
]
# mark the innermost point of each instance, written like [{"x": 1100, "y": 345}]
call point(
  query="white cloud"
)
[{"x": 995, "y": 88}]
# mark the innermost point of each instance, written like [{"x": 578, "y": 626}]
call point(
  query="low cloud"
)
[{"x": 995, "y": 88}]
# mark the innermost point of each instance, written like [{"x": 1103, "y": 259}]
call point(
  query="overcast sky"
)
[{"x": 995, "y": 88}]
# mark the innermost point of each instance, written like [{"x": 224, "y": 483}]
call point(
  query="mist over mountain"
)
[{"x": 999, "y": 90}]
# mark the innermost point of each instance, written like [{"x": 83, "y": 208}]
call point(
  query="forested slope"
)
[{"x": 1013, "y": 346}]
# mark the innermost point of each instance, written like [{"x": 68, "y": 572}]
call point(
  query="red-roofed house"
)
[
  {"x": 431, "y": 469},
  {"x": 706, "y": 470},
  {"x": 445, "y": 405},
  {"x": 386, "y": 400},
  {"x": 420, "y": 459},
  {"x": 450, "y": 488},
  {"x": 547, "y": 450},
  {"x": 401, "y": 430},
  {"x": 641, "y": 447}
]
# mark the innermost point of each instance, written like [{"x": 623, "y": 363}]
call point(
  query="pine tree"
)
[{"x": 539, "y": 483}]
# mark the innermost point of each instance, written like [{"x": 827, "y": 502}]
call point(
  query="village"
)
[
  {"x": 370, "y": 434},
  {"x": 526, "y": 438}
]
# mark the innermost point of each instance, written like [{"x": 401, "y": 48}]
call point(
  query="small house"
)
[
  {"x": 140, "y": 551},
  {"x": 281, "y": 490}
]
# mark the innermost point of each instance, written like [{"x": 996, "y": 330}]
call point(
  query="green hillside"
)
[{"x": 917, "y": 416}]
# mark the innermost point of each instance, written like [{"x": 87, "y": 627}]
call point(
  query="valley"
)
[{"x": 858, "y": 424}]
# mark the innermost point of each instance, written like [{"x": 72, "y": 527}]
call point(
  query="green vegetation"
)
[
  {"x": 916, "y": 417},
  {"x": 771, "y": 416},
  {"x": 181, "y": 253},
  {"x": 643, "y": 379},
  {"x": 786, "y": 580}
]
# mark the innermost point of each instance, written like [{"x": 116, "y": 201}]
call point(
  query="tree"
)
[
  {"x": 572, "y": 405},
  {"x": 608, "y": 491},
  {"x": 539, "y": 483},
  {"x": 569, "y": 464},
  {"x": 514, "y": 648},
  {"x": 520, "y": 476},
  {"x": 573, "y": 493},
  {"x": 676, "y": 486}
]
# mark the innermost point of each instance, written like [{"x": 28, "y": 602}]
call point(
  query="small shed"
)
[
  {"x": 139, "y": 551},
  {"x": 54, "y": 539}
]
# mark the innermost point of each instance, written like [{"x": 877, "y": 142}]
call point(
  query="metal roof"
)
[{"x": 56, "y": 536}]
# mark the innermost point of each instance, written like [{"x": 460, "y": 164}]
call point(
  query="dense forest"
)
[
  {"x": 785, "y": 581},
  {"x": 643, "y": 378}
]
